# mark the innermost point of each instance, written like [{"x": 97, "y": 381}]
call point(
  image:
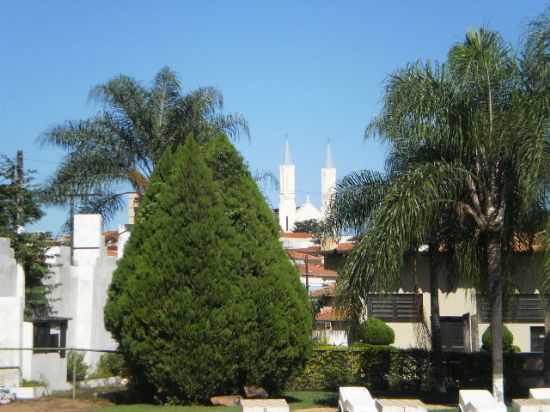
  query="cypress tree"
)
[
  {"x": 280, "y": 345},
  {"x": 184, "y": 304}
]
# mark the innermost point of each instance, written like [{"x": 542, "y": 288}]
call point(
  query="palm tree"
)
[
  {"x": 122, "y": 144},
  {"x": 352, "y": 208},
  {"x": 489, "y": 131},
  {"x": 535, "y": 61}
]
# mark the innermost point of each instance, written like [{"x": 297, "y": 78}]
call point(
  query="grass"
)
[{"x": 296, "y": 401}]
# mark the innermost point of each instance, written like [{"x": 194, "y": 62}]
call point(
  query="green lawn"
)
[{"x": 296, "y": 400}]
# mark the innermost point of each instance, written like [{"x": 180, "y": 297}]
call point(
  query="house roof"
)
[
  {"x": 296, "y": 254},
  {"x": 315, "y": 270},
  {"x": 295, "y": 235},
  {"x": 111, "y": 242},
  {"x": 329, "y": 313}
]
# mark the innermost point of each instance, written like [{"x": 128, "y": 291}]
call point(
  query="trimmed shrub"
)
[
  {"x": 376, "y": 332},
  {"x": 110, "y": 364},
  {"x": 389, "y": 370},
  {"x": 507, "y": 339},
  {"x": 76, "y": 360},
  {"x": 205, "y": 300}
]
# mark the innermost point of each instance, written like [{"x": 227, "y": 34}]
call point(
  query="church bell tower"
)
[{"x": 287, "y": 192}]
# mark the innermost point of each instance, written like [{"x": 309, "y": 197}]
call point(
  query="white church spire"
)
[
  {"x": 287, "y": 192},
  {"x": 287, "y": 157},
  {"x": 328, "y": 180},
  {"x": 328, "y": 157}
]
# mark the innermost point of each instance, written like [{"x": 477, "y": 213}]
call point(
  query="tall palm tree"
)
[
  {"x": 490, "y": 132},
  {"x": 122, "y": 144},
  {"x": 352, "y": 208},
  {"x": 535, "y": 61}
]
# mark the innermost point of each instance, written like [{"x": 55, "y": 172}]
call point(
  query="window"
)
[
  {"x": 517, "y": 308},
  {"x": 395, "y": 307},
  {"x": 49, "y": 334},
  {"x": 537, "y": 338}
]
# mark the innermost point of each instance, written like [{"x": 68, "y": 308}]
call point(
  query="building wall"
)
[
  {"x": 12, "y": 306},
  {"x": 332, "y": 337},
  {"x": 51, "y": 369},
  {"x": 82, "y": 288}
]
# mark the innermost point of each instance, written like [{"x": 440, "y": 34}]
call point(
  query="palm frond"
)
[
  {"x": 405, "y": 216},
  {"x": 356, "y": 198}
]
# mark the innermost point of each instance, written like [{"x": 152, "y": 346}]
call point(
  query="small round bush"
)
[
  {"x": 376, "y": 332},
  {"x": 507, "y": 339}
]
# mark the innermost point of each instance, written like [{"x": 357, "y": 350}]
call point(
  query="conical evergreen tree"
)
[
  {"x": 280, "y": 344},
  {"x": 189, "y": 304}
]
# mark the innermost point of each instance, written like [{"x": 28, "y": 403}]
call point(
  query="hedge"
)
[{"x": 386, "y": 369}]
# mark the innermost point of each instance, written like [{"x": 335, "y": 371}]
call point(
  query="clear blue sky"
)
[{"x": 310, "y": 69}]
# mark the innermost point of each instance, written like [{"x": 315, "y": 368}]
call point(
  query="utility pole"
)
[
  {"x": 71, "y": 226},
  {"x": 19, "y": 182},
  {"x": 307, "y": 273}
]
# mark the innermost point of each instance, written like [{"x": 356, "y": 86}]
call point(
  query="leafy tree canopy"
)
[
  {"x": 19, "y": 205},
  {"x": 123, "y": 143},
  {"x": 205, "y": 300}
]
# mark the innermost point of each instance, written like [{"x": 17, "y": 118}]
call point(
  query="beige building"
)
[{"x": 464, "y": 312}]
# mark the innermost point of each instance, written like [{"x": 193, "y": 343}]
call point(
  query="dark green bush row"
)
[{"x": 387, "y": 369}]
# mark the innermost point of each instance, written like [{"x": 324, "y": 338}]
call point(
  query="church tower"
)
[
  {"x": 328, "y": 181},
  {"x": 287, "y": 192}
]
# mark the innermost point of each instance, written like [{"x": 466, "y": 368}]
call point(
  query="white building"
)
[
  {"x": 78, "y": 298},
  {"x": 289, "y": 213}
]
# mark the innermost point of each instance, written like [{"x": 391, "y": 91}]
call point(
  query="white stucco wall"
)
[
  {"x": 51, "y": 369},
  {"x": 82, "y": 288},
  {"x": 332, "y": 337},
  {"x": 12, "y": 306}
]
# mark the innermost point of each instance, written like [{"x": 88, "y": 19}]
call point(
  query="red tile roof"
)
[
  {"x": 317, "y": 271},
  {"x": 329, "y": 313},
  {"x": 295, "y": 235}
]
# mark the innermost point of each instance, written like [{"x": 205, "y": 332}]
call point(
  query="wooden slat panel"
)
[
  {"x": 519, "y": 308},
  {"x": 395, "y": 307}
]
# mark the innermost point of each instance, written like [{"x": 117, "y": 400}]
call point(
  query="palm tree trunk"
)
[
  {"x": 494, "y": 270},
  {"x": 546, "y": 341},
  {"x": 437, "y": 366}
]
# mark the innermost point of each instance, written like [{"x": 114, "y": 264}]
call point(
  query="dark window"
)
[
  {"x": 49, "y": 334},
  {"x": 395, "y": 307},
  {"x": 517, "y": 308},
  {"x": 537, "y": 338},
  {"x": 452, "y": 333}
]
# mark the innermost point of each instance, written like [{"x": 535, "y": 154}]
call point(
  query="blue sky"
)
[{"x": 311, "y": 69}]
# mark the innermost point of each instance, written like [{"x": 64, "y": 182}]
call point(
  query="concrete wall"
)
[
  {"x": 82, "y": 288},
  {"x": 12, "y": 306},
  {"x": 332, "y": 337},
  {"x": 51, "y": 369}
]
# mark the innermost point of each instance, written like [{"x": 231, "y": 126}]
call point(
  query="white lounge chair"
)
[
  {"x": 539, "y": 393},
  {"x": 355, "y": 399},
  {"x": 400, "y": 405},
  {"x": 478, "y": 400},
  {"x": 531, "y": 405},
  {"x": 264, "y": 405}
]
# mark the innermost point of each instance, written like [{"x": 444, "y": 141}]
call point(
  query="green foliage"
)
[
  {"x": 308, "y": 226},
  {"x": 469, "y": 141},
  {"x": 76, "y": 359},
  {"x": 32, "y": 383},
  {"x": 507, "y": 339},
  {"x": 110, "y": 364},
  {"x": 389, "y": 370},
  {"x": 205, "y": 300},
  {"x": 376, "y": 332},
  {"x": 125, "y": 141},
  {"x": 30, "y": 248}
]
